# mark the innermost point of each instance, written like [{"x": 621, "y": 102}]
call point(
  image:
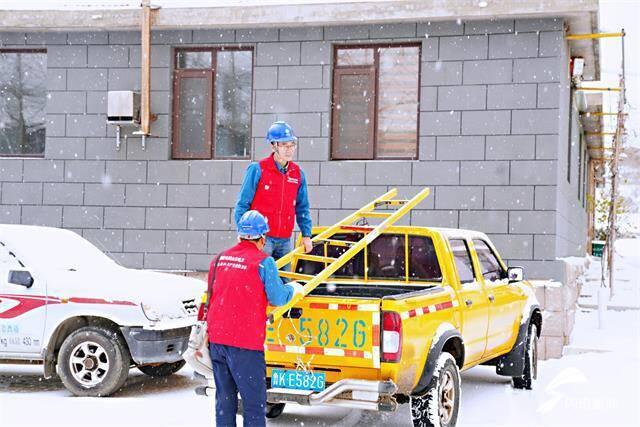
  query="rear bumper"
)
[
  {"x": 346, "y": 393},
  {"x": 153, "y": 346},
  {"x": 355, "y": 394}
]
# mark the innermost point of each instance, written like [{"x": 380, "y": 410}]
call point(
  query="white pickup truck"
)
[{"x": 66, "y": 304}]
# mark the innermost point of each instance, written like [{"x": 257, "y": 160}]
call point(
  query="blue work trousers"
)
[{"x": 239, "y": 370}]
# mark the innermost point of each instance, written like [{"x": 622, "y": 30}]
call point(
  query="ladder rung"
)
[
  {"x": 341, "y": 243},
  {"x": 315, "y": 258},
  {"x": 295, "y": 276},
  {"x": 397, "y": 202},
  {"x": 376, "y": 214}
]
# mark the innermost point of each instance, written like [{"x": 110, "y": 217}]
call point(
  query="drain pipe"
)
[{"x": 145, "y": 65}]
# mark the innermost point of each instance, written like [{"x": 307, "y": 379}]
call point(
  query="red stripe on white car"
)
[{"x": 26, "y": 303}]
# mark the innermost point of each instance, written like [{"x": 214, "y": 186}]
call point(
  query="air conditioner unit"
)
[{"x": 123, "y": 107}]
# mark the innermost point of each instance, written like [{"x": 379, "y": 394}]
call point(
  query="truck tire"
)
[
  {"x": 439, "y": 406},
  {"x": 274, "y": 410},
  {"x": 93, "y": 361},
  {"x": 162, "y": 370},
  {"x": 530, "y": 374}
]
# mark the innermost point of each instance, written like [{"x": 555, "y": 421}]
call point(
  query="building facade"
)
[{"x": 479, "y": 111}]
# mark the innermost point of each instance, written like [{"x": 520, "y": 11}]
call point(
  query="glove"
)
[{"x": 297, "y": 288}]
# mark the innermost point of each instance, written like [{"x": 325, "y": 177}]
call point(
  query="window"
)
[
  {"x": 375, "y": 102},
  {"x": 423, "y": 262},
  {"x": 489, "y": 264},
  {"x": 386, "y": 257},
  {"x": 462, "y": 258},
  {"x": 212, "y": 91},
  {"x": 22, "y": 102}
]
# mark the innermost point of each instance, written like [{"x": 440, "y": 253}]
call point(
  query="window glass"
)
[
  {"x": 233, "y": 104},
  {"x": 462, "y": 258},
  {"x": 194, "y": 92},
  {"x": 491, "y": 268},
  {"x": 386, "y": 257},
  {"x": 423, "y": 262},
  {"x": 397, "y": 133},
  {"x": 194, "y": 60},
  {"x": 350, "y": 57},
  {"x": 22, "y": 102},
  {"x": 353, "y": 116}
]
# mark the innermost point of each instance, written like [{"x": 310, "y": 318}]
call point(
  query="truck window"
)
[
  {"x": 462, "y": 258},
  {"x": 354, "y": 269},
  {"x": 423, "y": 262},
  {"x": 491, "y": 268},
  {"x": 386, "y": 257}
]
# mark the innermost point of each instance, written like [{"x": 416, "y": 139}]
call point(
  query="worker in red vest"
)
[
  {"x": 276, "y": 187},
  {"x": 243, "y": 279}
]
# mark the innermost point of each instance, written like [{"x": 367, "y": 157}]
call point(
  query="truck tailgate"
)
[{"x": 327, "y": 331}]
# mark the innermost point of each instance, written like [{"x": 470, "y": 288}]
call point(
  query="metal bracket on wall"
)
[{"x": 143, "y": 138}]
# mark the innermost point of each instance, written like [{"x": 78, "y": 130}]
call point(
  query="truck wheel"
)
[
  {"x": 274, "y": 410},
  {"x": 163, "y": 369},
  {"x": 530, "y": 374},
  {"x": 93, "y": 361},
  {"x": 439, "y": 406}
]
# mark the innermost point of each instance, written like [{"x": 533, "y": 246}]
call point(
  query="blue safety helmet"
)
[
  {"x": 280, "y": 132},
  {"x": 252, "y": 225}
]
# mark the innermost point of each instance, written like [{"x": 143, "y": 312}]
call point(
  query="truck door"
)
[
  {"x": 474, "y": 307},
  {"x": 22, "y": 309},
  {"x": 504, "y": 299}
]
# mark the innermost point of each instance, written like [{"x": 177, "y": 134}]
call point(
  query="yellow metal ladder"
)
[{"x": 389, "y": 217}]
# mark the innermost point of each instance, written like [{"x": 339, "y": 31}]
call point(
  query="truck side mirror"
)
[
  {"x": 515, "y": 274},
  {"x": 21, "y": 277}
]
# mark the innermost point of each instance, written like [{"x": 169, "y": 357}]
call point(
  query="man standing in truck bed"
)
[{"x": 277, "y": 188}]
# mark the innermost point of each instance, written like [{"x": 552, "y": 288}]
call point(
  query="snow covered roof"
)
[{"x": 123, "y": 14}]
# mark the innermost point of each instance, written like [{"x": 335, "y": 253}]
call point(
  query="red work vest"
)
[
  {"x": 237, "y": 312},
  {"x": 276, "y": 195}
]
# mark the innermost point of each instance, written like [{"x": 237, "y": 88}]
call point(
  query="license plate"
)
[{"x": 284, "y": 378}]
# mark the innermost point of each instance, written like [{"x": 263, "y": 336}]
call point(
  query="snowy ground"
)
[{"x": 597, "y": 382}]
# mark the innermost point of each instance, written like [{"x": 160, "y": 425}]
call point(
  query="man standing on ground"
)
[
  {"x": 277, "y": 188},
  {"x": 243, "y": 279}
]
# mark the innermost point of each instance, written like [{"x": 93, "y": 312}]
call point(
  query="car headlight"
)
[{"x": 150, "y": 313}]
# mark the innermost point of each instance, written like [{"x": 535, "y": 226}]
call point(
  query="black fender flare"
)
[
  {"x": 451, "y": 338},
  {"x": 512, "y": 363}
]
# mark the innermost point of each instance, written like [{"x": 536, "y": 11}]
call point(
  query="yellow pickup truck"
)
[{"x": 399, "y": 321}]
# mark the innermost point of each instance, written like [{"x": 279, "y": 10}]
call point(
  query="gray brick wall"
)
[{"x": 491, "y": 114}]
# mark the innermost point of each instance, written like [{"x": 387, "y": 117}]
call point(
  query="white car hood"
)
[{"x": 169, "y": 296}]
